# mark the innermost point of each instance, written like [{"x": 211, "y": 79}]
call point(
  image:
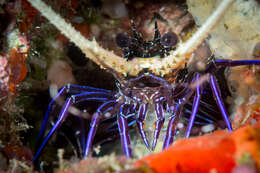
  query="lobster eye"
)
[
  {"x": 169, "y": 39},
  {"x": 123, "y": 40}
]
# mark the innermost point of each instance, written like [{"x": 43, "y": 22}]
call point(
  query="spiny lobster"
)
[{"x": 147, "y": 88}]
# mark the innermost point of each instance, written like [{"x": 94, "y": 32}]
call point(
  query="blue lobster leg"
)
[
  {"x": 232, "y": 63},
  {"x": 78, "y": 89},
  {"x": 88, "y": 96},
  {"x": 69, "y": 88},
  {"x": 217, "y": 95},
  {"x": 140, "y": 123},
  {"x": 123, "y": 130},
  {"x": 194, "y": 106},
  {"x": 64, "y": 112},
  {"x": 158, "y": 124},
  {"x": 114, "y": 126},
  {"x": 61, "y": 118},
  {"x": 95, "y": 122},
  {"x": 208, "y": 121},
  {"x": 171, "y": 129},
  {"x": 47, "y": 114},
  {"x": 81, "y": 135}
]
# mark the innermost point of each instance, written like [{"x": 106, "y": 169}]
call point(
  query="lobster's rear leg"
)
[
  {"x": 67, "y": 89},
  {"x": 215, "y": 87},
  {"x": 61, "y": 118},
  {"x": 217, "y": 95},
  {"x": 97, "y": 96},
  {"x": 47, "y": 114}
]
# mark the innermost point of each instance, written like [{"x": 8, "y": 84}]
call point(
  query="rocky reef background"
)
[{"x": 36, "y": 60}]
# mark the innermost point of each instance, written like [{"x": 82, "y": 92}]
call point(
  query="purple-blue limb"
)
[
  {"x": 195, "y": 106},
  {"x": 204, "y": 113},
  {"x": 232, "y": 63},
  {"x": 140, "y": 123},
  {"x": 79, "y": 88},
  {"x": 94, "y": 96},
  {"x": 158, "y": 124},
  {"x": 81, "y": 136},
  {"x": 47, "y": 113},
  {"x": 97, "y": 96},
  {"x": 171, "y": 129},
  {"x": 95, "y": 120},
  {"x": 71, "y": 89},
  {"x": 61, "y": 118},
  {"x": 217, "y": 95},
  {"x": 131, "y": 119},
  {"x": 123, "y": 131}
]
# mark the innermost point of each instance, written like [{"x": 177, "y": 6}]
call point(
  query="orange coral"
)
[
  {"x": 17, "y": 68},
  {"x": 217, "y": 152},
  {"x": 13, "y": 69}
]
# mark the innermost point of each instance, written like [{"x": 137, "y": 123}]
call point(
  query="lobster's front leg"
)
[
  {"x": 171, "y": 129},
  {"x": 123, "y": 130},
  {"x": 159, "y": 122},
  {"x": 140, "y": 123}
]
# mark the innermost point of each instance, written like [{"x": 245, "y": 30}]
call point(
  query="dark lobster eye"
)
[
  {"x": 123, "y": 40},
  {"x": 169, "y": 39}
]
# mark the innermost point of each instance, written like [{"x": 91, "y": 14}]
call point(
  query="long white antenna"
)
[{"x": 90, "y": 48}]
